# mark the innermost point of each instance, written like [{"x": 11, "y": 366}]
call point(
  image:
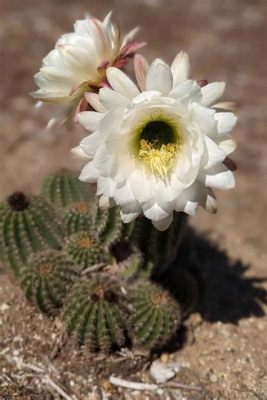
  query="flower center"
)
[{"x": 156, "y": 145}]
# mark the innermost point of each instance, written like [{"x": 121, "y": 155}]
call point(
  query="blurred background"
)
[{"x": 226, "y": 41}]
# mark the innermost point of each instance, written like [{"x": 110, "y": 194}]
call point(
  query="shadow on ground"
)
[{"x": 226, "y": 294}]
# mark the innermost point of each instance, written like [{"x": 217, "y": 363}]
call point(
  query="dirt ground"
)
[{"x": 222, "y": 347}]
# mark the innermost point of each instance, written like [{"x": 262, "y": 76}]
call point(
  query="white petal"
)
[
  {"x": 212, "y": 92},
  {"x": 180, "y": 68},
  {"x": 205, "y": 119},
  {"x": 121, "y": 83},
  {"x": 79, "y": 153},
  {"x": 164, "y": 223},
  {"x": 159, "y": 77},
  {"x": 93, "y": 100},
  {"x": 213, "y": 154},
  {"x": 187, "y": 90},
  {"x": 226, "y": 122},
  {"x": 88, "y": 173},
  {"x": 219, "y": 177},
  {"x": 90, "y": 119},
  {"x": 140, "y": 69},
  {"x": 146, "y": 96},
  {"x": 111, "y": 99},
  {"x": 226, "y": 143},
  {"x": 127, "y": 218},
  {"x": 155, "y": 212},
  {"x": 90, "y": 143}
]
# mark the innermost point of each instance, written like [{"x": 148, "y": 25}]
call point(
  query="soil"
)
[{"x": 222, "y": 346}]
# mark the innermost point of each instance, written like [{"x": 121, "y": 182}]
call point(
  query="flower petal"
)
[
  {"x": 121, "y": 83},
  {"x": 111, "y": 99},
  {"x": 212, "y": 92},
  {"x": 90, "y": 120},
  {"x": 159, "y": 77},
  {"x": 140, "y": 68},
  {"x": 180, "y": 68},
  {"x": 163, "y": 223},
  {"x": 226, "y": 122}
]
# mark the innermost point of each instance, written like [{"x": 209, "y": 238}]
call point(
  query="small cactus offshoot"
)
[
  {"x": 155, "y": 315},
  {"x": 85, "y": 249},
  {"x": 47, "y": 278},
  {"x": 27, "y": 225},
  {"x": 95, "y": 316},
  {"x": 160, "y": 248},
  {"x": 107, "y": 224},
  {"x": 77, "y": 217},
  {"x": 63, "y": 189}
]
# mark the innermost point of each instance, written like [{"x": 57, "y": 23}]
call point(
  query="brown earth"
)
[{"x": 224, "y": 344}]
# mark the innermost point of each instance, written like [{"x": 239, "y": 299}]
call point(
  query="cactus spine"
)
[
  {"x": 46, "y": 279},
  {"x": 27, "y": 225},
  {"x": 95, "y": 316},
  {"x": 155, "y": 315},
  {"x": 78, "y": 217},
  {"x": 63, "y": 189}
]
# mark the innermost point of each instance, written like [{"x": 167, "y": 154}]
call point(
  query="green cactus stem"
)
[
  {"x": 63, "y": 189},
  {"x": 107, "y": 223},
  {"x": 78, "y": 217},
  {"x": 85, "y": 249},
  {"x": 160, "y": 248},
  {"x": 94, "y": 315},
  {"x": 156, "y": 315},
  {"x": 47, "y": 278},
  {"x": 27, "y": 225}
]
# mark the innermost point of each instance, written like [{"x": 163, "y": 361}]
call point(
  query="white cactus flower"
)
[
  {"x": 78, "y": 64},
  {"x": 159, "y": 150}
]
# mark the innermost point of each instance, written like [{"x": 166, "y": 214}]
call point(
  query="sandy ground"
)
[{"x": 225, "y": 341}]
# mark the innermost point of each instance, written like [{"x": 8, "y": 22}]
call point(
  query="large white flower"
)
[
  {"x": 161, "y": 149},
  {"x": 78, "y": 63}
]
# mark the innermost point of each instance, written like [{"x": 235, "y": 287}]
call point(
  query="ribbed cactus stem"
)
[
  {"x": 47, "y": 278},
  {"x": 64, "y": 188},
  {"x": 27, "y": 225},
  {"x": 155, "y": 315},
  {"x": 95, "y": 316},
  {"x": 85, "y": 249}
]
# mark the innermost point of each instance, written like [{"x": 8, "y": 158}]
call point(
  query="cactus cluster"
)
[
  {"x": 27, "y": 225},
  {"x": 52, "y": 241},
  {"x": 94, "y": 314},
  {"x": 47, "y": 279}
]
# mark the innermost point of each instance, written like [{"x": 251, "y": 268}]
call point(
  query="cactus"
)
[
  {"x": 78, "y": 217},
  {"x": 27, "y": 225},
  {"x": 63, "y": 189},
  {"x": 95, "y": 316},
  {"x": 107, "y": 223},
  {"x": 156, "y": 315},
  {"x": 85, "y": 249},
  {"x": 160, "y": 248},
  {"x": 46, "y": 279}
]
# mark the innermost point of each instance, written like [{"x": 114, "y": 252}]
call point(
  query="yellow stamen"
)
[{"x": 157, "y": 160}]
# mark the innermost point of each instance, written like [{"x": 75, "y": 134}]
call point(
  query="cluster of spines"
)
[
  {"x": 27, "y": 225},
  {"x": 95, "y": 316},
  {"x": 64, "y": 189},
  {"x": 85, "y": 249},
  {"x": 46, "y": 279},
  {"x": 155, "y": 314}
]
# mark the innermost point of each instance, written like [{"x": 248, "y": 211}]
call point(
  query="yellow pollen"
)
[
  {"x": 157, "y": 160},
  {"x": 85, "y": 243}
]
